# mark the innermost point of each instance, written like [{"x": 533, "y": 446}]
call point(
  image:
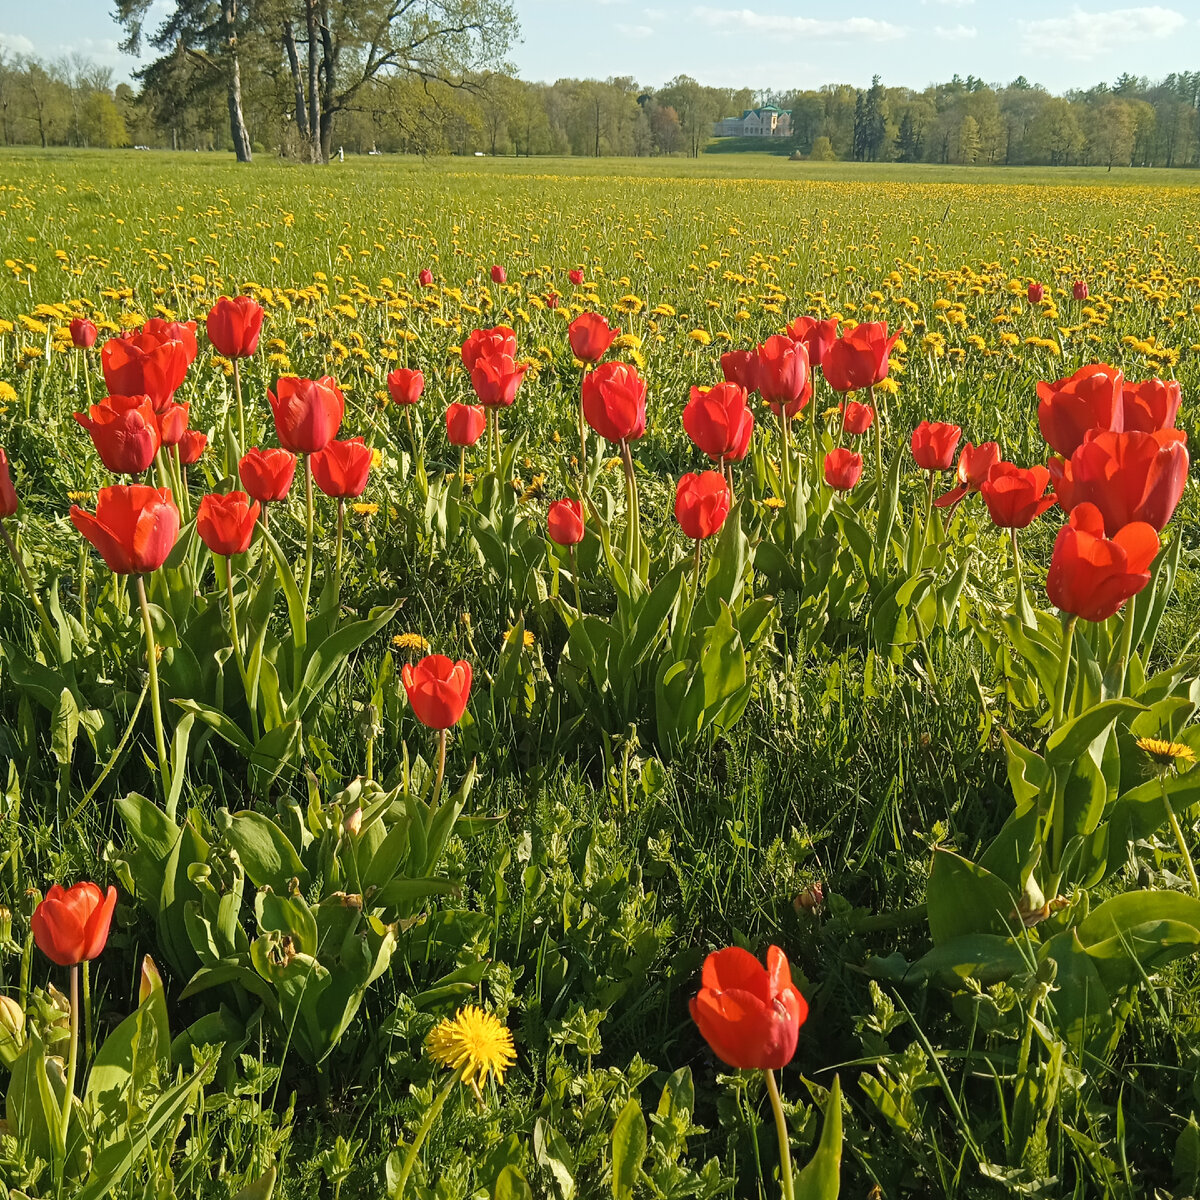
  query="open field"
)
[{"x": 849, "y": 725}]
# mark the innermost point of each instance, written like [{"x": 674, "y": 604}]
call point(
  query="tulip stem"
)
[
  {"x": 878, "y": 443},
  {"x": 64, "y": 1116},
  {"x": 160, "y": 743},
  {"x": 35, "y": 599},
  {"x": 87, "y": 1010},
  {"x": 237, "y": 389},
  {"x": 928, "y": 511},
  {"x": 462, "y": 468},
  {"x": 1017, "y": 582},
  {"x": 308, "y": 533},
  {"x": 1126, "y": 646},
  {"x": 781, "y": 1131},
  {"x": 341, "y": 533},
  {"x": 786, "y": 466},
  {"x": 575, "y": 579},
  {"x": 443, "y": 737},
  {"x": 635, "y": 517},
  {"x": 582, "y": 432},
  {"x": 83, "y": 586},
  {"x": 1064, "y": 669},
  {"x": 696, "y": 576},
  {"x": 1181, "y": 841}
]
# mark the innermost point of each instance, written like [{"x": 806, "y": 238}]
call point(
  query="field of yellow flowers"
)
[{"x": 446, "y": 788}]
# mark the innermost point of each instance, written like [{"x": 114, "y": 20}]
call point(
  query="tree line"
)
[{"x": 305, "y": 78}]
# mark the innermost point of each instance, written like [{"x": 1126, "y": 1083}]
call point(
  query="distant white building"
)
[{"x": 756, "y": 122}]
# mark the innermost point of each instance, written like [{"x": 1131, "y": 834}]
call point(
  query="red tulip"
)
[
  {"x": 749, "y": 1015},
  {"x": 817, "y": 336},
  {"x": 702, "y": 503},
  {"x": 341, "y": 469},
  {"x": 144, "y": 365},
  {"x": 741, "y": 367},
  {"x": 1015, "y": 496},
  {"x": 179, "y": 331},
  {"x": 191, "y": 446},
  {"x": 226, "y": 523},
  {"x": 1128, "y": 476},
  {"x": 437, "y": 690},
  {"x": 1079, "y": 289},
  {"x": 857, "y": 418},
  {"x": 576, "y": 277},
  {"x": 843, "y": 469},
  {"x": 172, "y": 423},
  {"x": 614, "y": 401},
  {"x": 974, "y": 463},
  {"x": 234, "y": 325},
  {"x": 8, "y": 494},
  {"x": 496, "y": 378},
  {"x": 1151, "y": 405},
  {"x": 124, "y": 431},
  {"x": 465, "y": 423},
  {"x": 590, "y": 336},
  {"x": 481, "y": 342},
  {"x": 134, "y": 527},
  {"x": 719, "y": 422},
  {"x": 933, "y": 445},
  {"x": 425, "y": 278},
  {"x": 1035, "y": 292},
  {"x": 308, "y": 412},
  {"x": 499, "y": 275},
  {"x": 71, "y": 925},
  {"x": 267, "y": 474},
  {"x": 564, "y": 522},
  {"x": 784, "y": 379},
  {"x": 552, "y": 300},
  {"x": 83, "y": 333},
  {"x": 1090, "y": 575},
  {"x": 1069, "y": 408},
  {"x": 405, "y": 386},
  {"x": 859, "y": 358}
]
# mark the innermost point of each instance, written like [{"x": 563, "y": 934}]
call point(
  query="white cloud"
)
[
  {"x": 955, "y": 33},
  {"x": 1084, "y": 35},
  {"x": 15, "y": 43},
  {"x": 777, "y": 25},
  {"x": 635, "y": 31}
]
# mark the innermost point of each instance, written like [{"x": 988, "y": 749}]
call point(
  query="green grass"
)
[{"x": 847, "y": 769}]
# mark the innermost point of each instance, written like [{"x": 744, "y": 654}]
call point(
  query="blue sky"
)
[{"x": 780, "y": 45}]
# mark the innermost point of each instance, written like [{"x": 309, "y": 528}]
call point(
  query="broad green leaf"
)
[
  {"x": 963, "y": 898},
  {"x": 269, "y": 858},
  {"x": 821, "y": 1179},
  {"x": 628, "y": 1149}
]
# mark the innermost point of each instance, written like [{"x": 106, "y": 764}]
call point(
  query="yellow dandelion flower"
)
[
  {"x": 1166, "y": 753},
  {"x": 7, "y": 392},
  {"x": 473, "y": 1042},
  {"x": 411, "y": 641},
  {"x": 700, "y": 335},
  {"x": 365, "y": 510},
  {"x": 527, "y": 638},
  {"x": 773, "y": 502},
  {"x": 80, "y": 497}
]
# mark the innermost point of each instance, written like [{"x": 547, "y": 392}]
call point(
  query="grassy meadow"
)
[{"x": 886, "y": 682}]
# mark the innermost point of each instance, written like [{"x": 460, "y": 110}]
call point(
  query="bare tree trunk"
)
[
  {"x": 314, "y": 95},
  {"x": 237, "y": 122},
  {"x": 289, "y": 44},
  {"x": 329, "y": 66}
]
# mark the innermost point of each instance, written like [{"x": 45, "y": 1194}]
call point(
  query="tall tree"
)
[
  {"x": 205, "y": 29},
  {"x": 335, "y": 48}
]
